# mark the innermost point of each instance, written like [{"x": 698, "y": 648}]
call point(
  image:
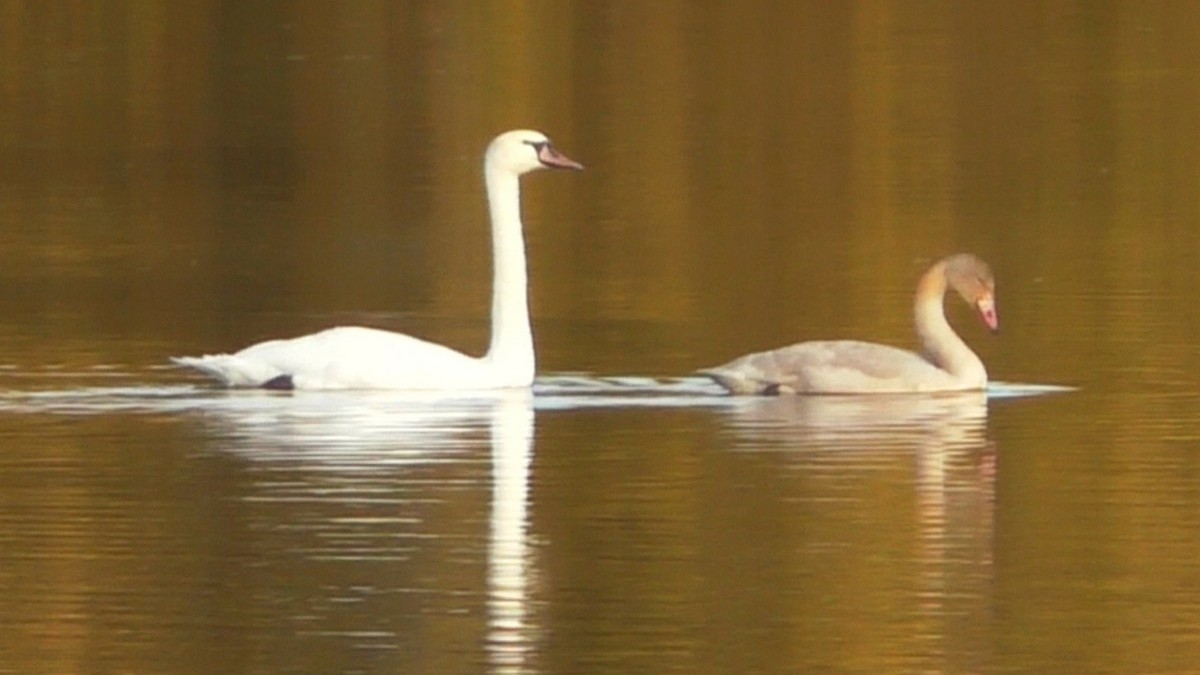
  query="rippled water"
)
[{"x": 302, "y": 532}]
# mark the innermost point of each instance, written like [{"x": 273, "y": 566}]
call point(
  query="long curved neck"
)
[
  {"x": 511, "y": 351},
  {"x": 941, "y": 345}
]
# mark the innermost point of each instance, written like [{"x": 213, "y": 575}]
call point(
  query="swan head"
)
[
  {"x": 973, "y": 280},
  {"x": 522, "y": 151}
]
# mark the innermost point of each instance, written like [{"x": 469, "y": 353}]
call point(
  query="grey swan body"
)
[{"x": 945, "y": 363}]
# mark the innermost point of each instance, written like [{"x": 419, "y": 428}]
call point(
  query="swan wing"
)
[
  {"x": 343, "y": 358},
  {"x": 833, "y": 367}
]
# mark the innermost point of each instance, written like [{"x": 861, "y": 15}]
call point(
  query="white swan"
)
[
  {"x": 851, "y": 367},
  {"x": 368, "y": 358}
]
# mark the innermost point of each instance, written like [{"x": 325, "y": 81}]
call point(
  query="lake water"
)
[{"x": 182, "y": 178}]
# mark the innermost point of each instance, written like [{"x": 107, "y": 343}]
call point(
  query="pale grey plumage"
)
[{"x": 854, "y": 367}]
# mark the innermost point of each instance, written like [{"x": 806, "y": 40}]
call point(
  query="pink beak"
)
[
  {"x": 549, "y": 156},
  {"x": 987, "y": 311}
]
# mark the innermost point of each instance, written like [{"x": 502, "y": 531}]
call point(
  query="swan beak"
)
[
  {"x": 552, "y": 158},
  {"x": 986, "y": 305}
]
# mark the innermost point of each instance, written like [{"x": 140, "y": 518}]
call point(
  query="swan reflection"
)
[
  {"x": 510, "y": 638},
  {"x": 858, "y": 423},
  {"x": 842, "y": 444},
  {"x": 350, "y": 447}
]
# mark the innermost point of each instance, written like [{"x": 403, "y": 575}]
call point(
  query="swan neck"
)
[
  {"x": 511, "y": 350},
  {"x": 941, "y": 345}
]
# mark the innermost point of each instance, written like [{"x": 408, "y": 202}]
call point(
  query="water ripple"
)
[{"x": 110, "y": 388}]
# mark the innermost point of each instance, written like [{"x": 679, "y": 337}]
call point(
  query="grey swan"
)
[{"x": 852, "y": 367}]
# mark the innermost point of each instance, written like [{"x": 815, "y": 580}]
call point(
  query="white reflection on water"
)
[
  {"x": 511, "y": 640},
  {"x": 337, "y": 448},
  {"x": 355, "y": 469},
  {"x": 345, "y": 432}
]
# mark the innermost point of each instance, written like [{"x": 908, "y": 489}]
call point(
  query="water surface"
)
[{"x": 180, "y": 178}]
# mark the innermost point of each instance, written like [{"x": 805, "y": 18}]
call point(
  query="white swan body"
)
[
  {"x": 367, "y": 358},
  {"x": 852, "y": 367}
]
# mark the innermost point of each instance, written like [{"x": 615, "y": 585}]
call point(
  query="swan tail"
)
[
  {"x": 738, "y": 383},
  {"x": 234, "y": 372}
]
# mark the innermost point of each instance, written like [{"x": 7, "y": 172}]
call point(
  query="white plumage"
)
[{"x": 366, "y": 358}]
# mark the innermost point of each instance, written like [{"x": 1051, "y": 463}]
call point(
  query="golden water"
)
[{"x": 180, "y": 178}]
